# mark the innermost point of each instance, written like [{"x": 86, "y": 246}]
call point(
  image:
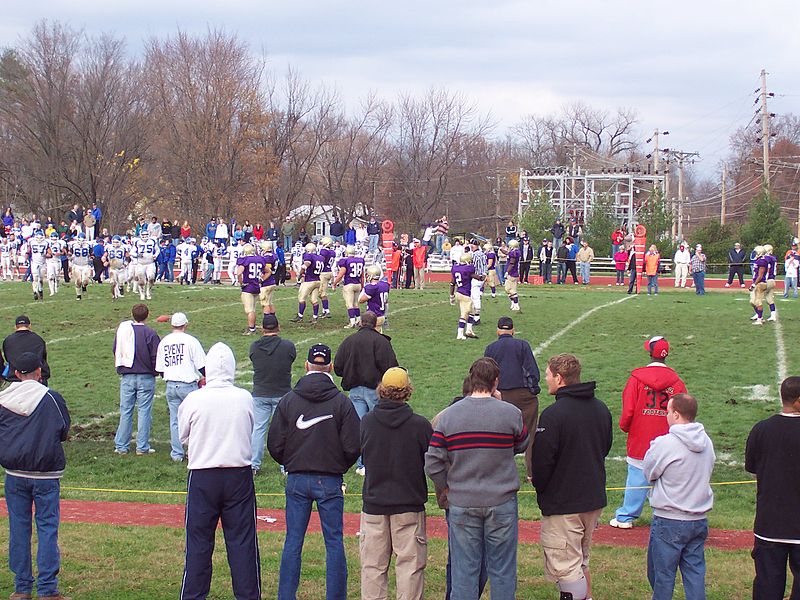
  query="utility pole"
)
[
  {"x": 765, "y": 128},
  {"x": 655, "y": 151},
  {"x": 724, "y": 178},
  {"x": 681, "y": 157},
  {"x": 497, "y": 202}
]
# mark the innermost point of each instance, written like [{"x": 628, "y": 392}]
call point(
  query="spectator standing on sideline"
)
[
  {"x": 511, "y": 231},
  {"x": 337, "y": 230},
  {"x": 97, "y": 213},
  {"x": 442, "y": 229},
  {"x": 90, "y": 222},
  {"x": 569, "y": 474},
  {"x": 471, "y": 459},
  {"x": 617, "y": 239},
  {"x": 393, "y": 441},
  {"x": 558, "y": 233},
  {"x": 526, "y": 258},
  {"x": 679, "y": 466},
  {"x": 135, "y": 350},
  {"x": 572, "y": 257},
  {"x": 585, "y": 257},
  {"x": 374, "y": 233},
  {"x": 620, "y": 259},
  {"x": 362, "y": 359},
  {"x": 273, "y": 233},
  {"x": 644, "y": 418},
  {"x": 181, "y": 361},
  {"x": 698, "y": 268},
  {"x": 632, "y": 269},
  {"x": 186, "y": 231},
  {"x": 790, "y": 268},
  {"x": 216, "y": 423},
  {"x": 771, "y": 455},
  {"x": 652, "y": 263},
  {"x": 23, "y": 340},
  {"x": 574, "y": 230},
  {"x": 546, "y": 256},
  {"x": 420, "y": 259},
  {"x": 211, "y": 229},
  {"x": 561, "y": 261},
  {"x": 315, "y": 435},
  {"x": 272, "y": 358},
  {"x": 258, "y": 232},
  {"x": 736, "y": 261},
  {"x": 34, "y": 421},
  {"x": 519, "y": 377},
  {"x": 154, "y": 229},
  {"x": 682, "y": 261}
]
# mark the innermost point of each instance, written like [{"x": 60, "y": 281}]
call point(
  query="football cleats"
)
[
  {"x": 466, "y": 258},
  {"x": 248, "y": 250},
  {"x": 513, "y": 243},
  {"x": 311, "y": 247},
  {"x": 350, "y": 251},
  {"x": 374, "y": 272}
]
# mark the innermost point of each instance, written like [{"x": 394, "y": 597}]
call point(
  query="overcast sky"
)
[{"x": 687, "y": 67}]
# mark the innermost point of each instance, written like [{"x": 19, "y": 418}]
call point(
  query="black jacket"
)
[
  {"x": 337, "y": 229},
  {"x": 527, "y": 253},
  {"x": 568, "y": 457},
  {"x": 736, "y": 257},
  {"x": 518, "y": 368},
  {"x": 557, "y": 230},
  {"x": 315, "y": 428},
  {"x": 363, "y": 358},
  {"x": 562, "y": 253},
  {"x": 272, "y": 359},
  {"x": 19, "y": 342},
  {"x": 393, "y": 444}
]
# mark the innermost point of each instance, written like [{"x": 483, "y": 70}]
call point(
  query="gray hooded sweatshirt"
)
[{"x": 679, "y": 464}]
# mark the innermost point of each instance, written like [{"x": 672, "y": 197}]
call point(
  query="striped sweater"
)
[{"x": 472, "y": 452}]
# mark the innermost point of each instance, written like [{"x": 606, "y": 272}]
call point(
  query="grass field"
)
[{"x": 733, "y": 369}]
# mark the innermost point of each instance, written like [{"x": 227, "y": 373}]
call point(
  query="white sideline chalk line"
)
[
  {"x": 780, "y": 351},
  {"x": 544, "y": 345}
]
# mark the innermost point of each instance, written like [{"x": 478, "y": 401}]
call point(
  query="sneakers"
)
[
  {"x": 472, "y": 335},
  {"x": 361, "y": 471},
  {"x": 621, "y": 524},
  {"x": 297, "y": 319},
  {"x": 754, "y": 317},
  {"x": 758, "y": 321},
  {"x": 20, "y": 596},
  {"x": 145, "y": 452},
  {"x": 120, "y": 452},
  {"x": 248, "y": 332},
  {"x": 727, "y": 285},
  {"x": 773, "y": 317}
]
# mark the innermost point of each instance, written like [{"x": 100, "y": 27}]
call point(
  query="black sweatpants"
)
[
  {"x": 226, "y": 494},
  {"x": 736, "y": 271},
  {"x": 770, "y": 560},
  {"x": 524, "y": 271},
  {"x": 571, "y": 267}
]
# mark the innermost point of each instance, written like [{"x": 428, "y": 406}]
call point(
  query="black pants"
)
[
  {"x": 632, "y": 283},
  {"x": 65, "y": 269},
  {"x": 528, "y": 403},
  {"x": 98, "y": 269},
  {"x": 547, "y": 270},
  {"x": 770, "y": 562},
  {"x": 195, "y": 263},
  {"x": 409, "y": 275},
  {"x": 280, "y": 274},
  {"x": 228, "y": 494},
  {"x": 524, "y": 271},
  {"x": 734, "y": 271},
  {"x": 571, "y": 267}
]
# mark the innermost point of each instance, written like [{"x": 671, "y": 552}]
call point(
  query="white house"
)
[{"x": 320, "y": 217}]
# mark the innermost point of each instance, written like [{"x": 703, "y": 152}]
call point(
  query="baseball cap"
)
[
  {"x": 27, "y": 362},
  {"x": 179, "y": 320},
  {"x": 269, "y": 322},
  {"x": 395, "y": 377},
  {"x": 319, "y": 354},
  {"x": 505, "y": 323},
  {"x": 22, "y": 320},
  {"x": 657, "y": 347}
]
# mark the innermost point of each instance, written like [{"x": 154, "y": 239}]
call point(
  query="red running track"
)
[{"x": 139, "y": 514}]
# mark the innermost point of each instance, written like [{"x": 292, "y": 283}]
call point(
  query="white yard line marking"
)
[
  {"x": 545, "y": 344},
  {"x": 780, "y": 348}
]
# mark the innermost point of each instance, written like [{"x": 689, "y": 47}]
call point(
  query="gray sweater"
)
[
  {"x": 680, "y": 464},
  {"x": 472, "y": 452}
]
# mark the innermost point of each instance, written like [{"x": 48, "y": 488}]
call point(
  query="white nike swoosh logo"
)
[{"x": 301, "y": 424}]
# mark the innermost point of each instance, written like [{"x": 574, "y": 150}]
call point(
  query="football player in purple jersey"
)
[
  {"x": 460, "y": 290},
  {"x": 763, "y": 286},
  {"x": 512, "y": 273},
  {"x": 351, "y": 275},
  {"x": 311, "y": 269},
  {"x": 328, "y": 255},
  {"x": 268, "y": 283},
  {"x": 491, "y": 264},
  {"x": 376, "y": 294},
  {"x": 249, "y": 271}
]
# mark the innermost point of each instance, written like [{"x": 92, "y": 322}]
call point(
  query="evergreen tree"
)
[
  {"x": 765, "y": 224},
  {"x": 600, "y": 224},
  {"x": 539, "y": 217}
]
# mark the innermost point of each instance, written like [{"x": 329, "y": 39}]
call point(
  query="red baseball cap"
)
[{"x": 657, "y": 347}]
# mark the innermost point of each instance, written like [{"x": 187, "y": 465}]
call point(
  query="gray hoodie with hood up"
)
[{"x": 679, "y": 464}]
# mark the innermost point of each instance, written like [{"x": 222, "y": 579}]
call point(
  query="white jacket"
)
[{"x": 682, "y": 257}]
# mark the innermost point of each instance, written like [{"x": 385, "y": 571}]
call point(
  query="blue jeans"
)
[
  {"x": 263, "y": 409},
  {"x": 21, "y": 495},
  {"x": 135, "y": 390},
  {"x": 162, "y": 272},
  {"x": 789, "y": 283},
  {"x": 652, "y": 283},
  {"x": 501, "y": 272},
  {"x": 171, "y": 271},
  {"x": 491, "y": 531},
  {"x": 302, "y": 490},
  {"x": 287, "y": 242},
  {"x": 585, "y": 266},
  {"x": 373, "y": 242},
  {"x": 699, "y": 279},
  {"x": 364, "y": 400},
  {"x": 633, "y": 501},
  {"x": 483, "y": 577},
  {"x": 561, "y": 276},
  {"x": 677, "y": 544},
  {"x": 176, "y": 392}
]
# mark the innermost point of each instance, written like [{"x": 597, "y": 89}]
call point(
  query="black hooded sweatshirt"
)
[
  {"x": 393, "y": 444},
  {"x": 315, "y": 428}
]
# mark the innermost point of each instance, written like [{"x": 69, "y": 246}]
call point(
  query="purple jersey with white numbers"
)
[
  {"x": 329, "y": 258},
  {"x": 314, "y": 270},
  {"x": 762, "y": 261},
  {"x": 772, "y": 266},
  {"x": 270, "y": 259},
  {"x": 354, "y": 268},
  {"x": 513, "y": 262},
  {"x": 491, "y": 260},
  {"x": 462, "y": 277},
  {"x": 378, "y": 293},
  {"x": 251, "y": 276}
]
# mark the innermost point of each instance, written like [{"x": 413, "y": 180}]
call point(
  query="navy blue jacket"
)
[
  {"x": 34, "y": 420},
  {"x": 518, "y": 368}
]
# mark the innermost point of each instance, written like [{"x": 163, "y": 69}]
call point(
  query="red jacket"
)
[{"x": 644, "y": 405}]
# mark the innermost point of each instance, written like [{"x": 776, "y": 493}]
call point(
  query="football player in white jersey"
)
[
  {"x": 297, "y": 260},
  {"x": 81, "y": 253},
  {"x": 235, "y": 252},
  {"x": 38, "y": 250},
  {"x": 185, "y": 250},
  {"x": 219, "y": 252},
  {"x": 8, "y": 250},
  {"x": 114, "y": 259},
  {"x": 146, "y": 250},
  {"x": 57, "y": 247},
  {"x": 130, "y": 266}
]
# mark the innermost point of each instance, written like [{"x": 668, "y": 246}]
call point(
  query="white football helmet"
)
[
  {"x": 248, "y": 250},
  {"x": 374, "y": 272},
  {"x": 760, "y": 251},
  {"x": 350, "y": 251},
  {"x": 326, "y": 242},
  {"x": 487, "y": 247},
  {"x": 266, "y": 246},
  {"x": 513, "y": 243},
  {"x": 768, "y": 249},
  {"x": 311, "y": 248},
  {"x": 466, "y": 258}
]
